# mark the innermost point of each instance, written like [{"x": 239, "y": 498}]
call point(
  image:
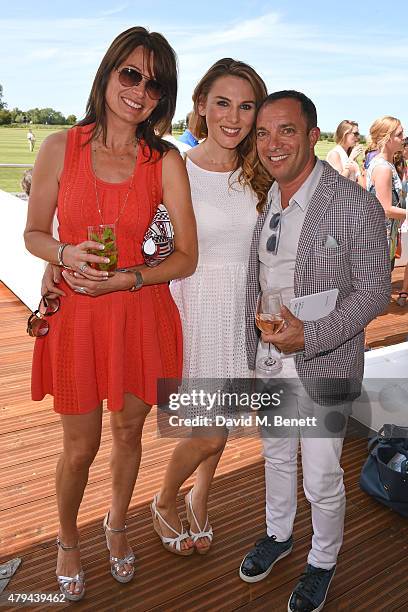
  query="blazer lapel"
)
[
  {"x": 318, "y": 205},
  {"x": 261, "y": 220}
]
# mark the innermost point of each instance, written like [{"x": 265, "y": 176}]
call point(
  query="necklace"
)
[
  {"x": 122, "y": 208},
  {"x": 216, "y": 163}
]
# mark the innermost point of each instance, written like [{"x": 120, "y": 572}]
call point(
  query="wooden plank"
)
[{"x": 372, "y": 560}]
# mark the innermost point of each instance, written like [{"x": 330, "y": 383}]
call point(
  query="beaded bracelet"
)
[{"x": 59, "y": 255}]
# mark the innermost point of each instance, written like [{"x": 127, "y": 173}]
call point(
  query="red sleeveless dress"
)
[{"x": 103, "y": 347}]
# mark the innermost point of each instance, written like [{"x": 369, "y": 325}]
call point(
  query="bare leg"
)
[
  {"x": 204, "y": 478},
  {"x": 82, "y": 434},
  {"x": 188, "y": 455},
  {"x": 127, "y": 427}
]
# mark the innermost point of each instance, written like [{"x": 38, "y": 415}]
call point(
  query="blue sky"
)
[{"x": 350, "y": 57}]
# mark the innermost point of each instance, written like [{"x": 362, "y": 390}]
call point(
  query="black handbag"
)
[
  {"x": 385, "y": 473},
  {"x": 158, "y": 242}
]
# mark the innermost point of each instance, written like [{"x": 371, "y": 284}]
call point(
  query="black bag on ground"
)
[{"x": 388, "y": 485}]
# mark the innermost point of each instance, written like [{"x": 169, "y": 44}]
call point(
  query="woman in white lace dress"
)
[{"x": 227, "y": 182}]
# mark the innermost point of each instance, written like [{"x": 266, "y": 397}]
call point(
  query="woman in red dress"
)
[{"x": 114, "y": 335}]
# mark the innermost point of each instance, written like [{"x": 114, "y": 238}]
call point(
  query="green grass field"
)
[{"x": 14, "y": 150}]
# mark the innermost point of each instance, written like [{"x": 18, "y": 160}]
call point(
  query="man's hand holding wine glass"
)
[{"x": 290, "y": 338}]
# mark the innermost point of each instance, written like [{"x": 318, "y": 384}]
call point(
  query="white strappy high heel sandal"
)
[
  {"x": 207, "y": 532},
  {"x": 117, "y": 563},
  {"x": 173, "y": 545},
  {"x": 66, "y": 581}
]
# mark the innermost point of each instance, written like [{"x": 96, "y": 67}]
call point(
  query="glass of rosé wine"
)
[{"x": 269, "y": 320}]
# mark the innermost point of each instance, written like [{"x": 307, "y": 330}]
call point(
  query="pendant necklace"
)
[{"x": 122, "y": 208}]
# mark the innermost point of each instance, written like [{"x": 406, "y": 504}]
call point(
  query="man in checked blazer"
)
[{"x": 318, "y": 231}]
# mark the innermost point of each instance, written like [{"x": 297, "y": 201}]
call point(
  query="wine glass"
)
[{"x": 268, "y": 319}]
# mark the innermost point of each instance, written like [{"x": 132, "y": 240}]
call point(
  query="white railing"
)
[
  {"x": 19, "y": 270},
  {"x": 16, "y": 165}
]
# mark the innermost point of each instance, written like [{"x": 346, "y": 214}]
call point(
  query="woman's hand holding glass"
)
[
  {"x": 80, "y": 260},
  {"x": 356, "y": 152}
]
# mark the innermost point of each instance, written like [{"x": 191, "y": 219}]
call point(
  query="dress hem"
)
[{"x": 39, "y": 398}]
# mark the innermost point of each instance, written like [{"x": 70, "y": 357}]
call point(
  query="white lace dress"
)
[{"x": 212, "y": 301}]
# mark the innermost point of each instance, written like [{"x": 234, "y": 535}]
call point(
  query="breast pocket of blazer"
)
[
  {"x": 340, "y": 252},
  {"x": 332, "y": 262}
]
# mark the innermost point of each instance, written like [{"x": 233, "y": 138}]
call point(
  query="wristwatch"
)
[{"x": 138, "y": 282}]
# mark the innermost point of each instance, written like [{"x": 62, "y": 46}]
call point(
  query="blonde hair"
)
[
  {"x": 381, "y": 131},
  {"x": 252, "y": 172}
]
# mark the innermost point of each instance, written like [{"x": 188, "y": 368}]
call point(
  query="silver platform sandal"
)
[
  {"x": 66, "y": 581},
  {"x": 117, "y": 564}
]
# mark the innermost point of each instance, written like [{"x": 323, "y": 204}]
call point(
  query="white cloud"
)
[
  {"x": 63, "y": 54},
  {"x": 114, "y": 11}
]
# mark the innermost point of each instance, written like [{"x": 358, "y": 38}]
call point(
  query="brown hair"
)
[
  {"x": 399, "y": 163},
  {"x": 252, "y": 172},
  {"x": 165, "y": 71},
  {"x": 344, "y": 128},
  {"x": 26, "y": 181},
  {"x": 381, "y": 131}
]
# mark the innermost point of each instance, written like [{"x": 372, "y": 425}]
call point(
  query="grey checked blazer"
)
[{"x": 359, "y": 267}]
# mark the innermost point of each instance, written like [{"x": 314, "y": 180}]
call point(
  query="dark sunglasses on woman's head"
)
[
  {"x": 273, "y": 240},
  {"x": 37, "y": 325},
  {"x": 130, "y": 77}
]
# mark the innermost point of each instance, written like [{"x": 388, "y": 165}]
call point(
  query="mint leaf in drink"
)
[
  {"x": 109, "y": 245},
  {"x": 108, "y": 234}
]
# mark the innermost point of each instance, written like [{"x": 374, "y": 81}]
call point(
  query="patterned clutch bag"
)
[{"x": 158, "y": 242}]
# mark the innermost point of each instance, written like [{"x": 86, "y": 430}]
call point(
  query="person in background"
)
[
  {"x": 187, "y": 136},
  {"x": 112, "y": 334},
  {"x": 31, "y": 140},
  {"x": 400, "y": 166},
  {"x": 226, "y": 182},
  {"x": 403, "y": 294},
  {"x": 26, "y": 181},
  {"x": 369, "y": 154},
  {"x": 386, "y": 135},
  {"x": 343, "y": 156},
  {"x": 181, "y": 146},
  {"x": 400, "y": 163}
]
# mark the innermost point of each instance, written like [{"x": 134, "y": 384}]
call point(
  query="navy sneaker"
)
[
  {"x": 258, "y": 563},
  {"x": 311, "y": 591}
]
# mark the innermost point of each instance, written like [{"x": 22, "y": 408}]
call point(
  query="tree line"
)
[
  {"x": 49, "y": 116},
  {"x": 46, "y": 116}
]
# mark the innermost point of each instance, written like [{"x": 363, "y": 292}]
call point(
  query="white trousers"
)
[{"x": 322, "y": 483}]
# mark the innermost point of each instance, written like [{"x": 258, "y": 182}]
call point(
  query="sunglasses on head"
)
[
  {"x": 130, "y": 77},
  {"x": 37, "y": 325},
  {"x": 273, "y": 240}
]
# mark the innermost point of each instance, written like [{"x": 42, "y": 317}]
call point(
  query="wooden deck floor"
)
[{"x": 373, "y": 564}]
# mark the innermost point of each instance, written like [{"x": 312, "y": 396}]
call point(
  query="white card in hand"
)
[{"x": 314, "y": 306}]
